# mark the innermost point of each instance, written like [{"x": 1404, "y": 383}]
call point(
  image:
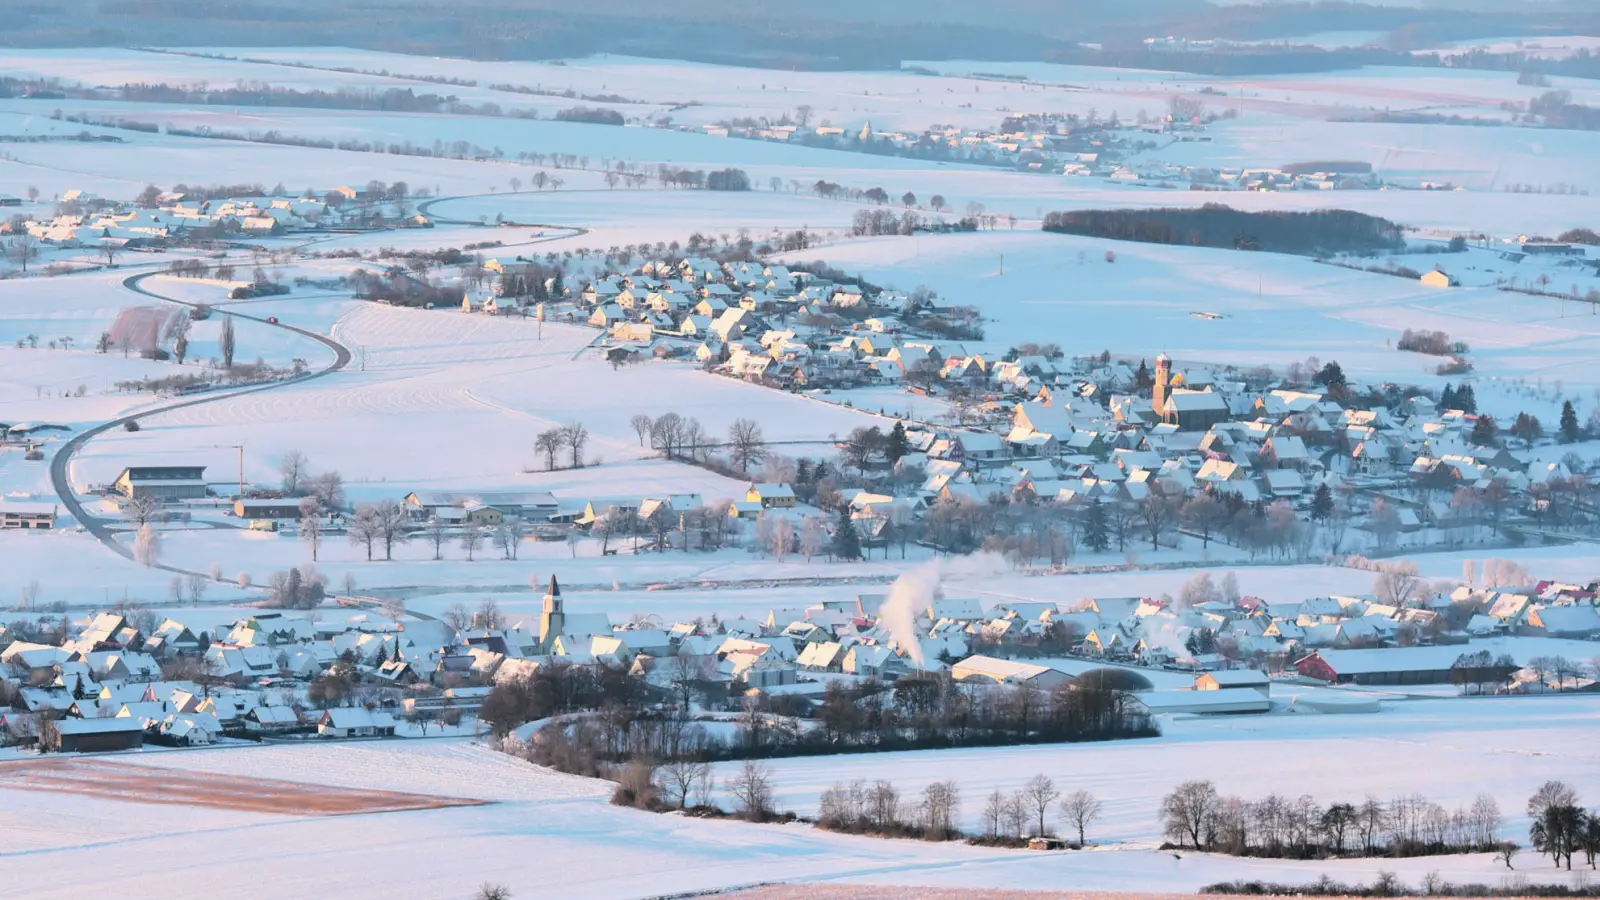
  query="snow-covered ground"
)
[
  {"x": 547, "y": 834},
  {"x": 1448, "y": 750}
]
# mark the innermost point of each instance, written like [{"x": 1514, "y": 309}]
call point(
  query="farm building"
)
[
  {"x": 34, "y": 516},
  {"x": 1234, "y": 678},
  {"x": 92, "y": 735},
  {"x": 1394, "y": 665},
  {"x": 284, "y": 508},
  {"x": 162, "y": 482},
  {"x": 1223, "y": 701},
  {"x": 1008, "y": 671}
]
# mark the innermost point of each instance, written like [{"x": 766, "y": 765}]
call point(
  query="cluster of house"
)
[
  {"x": 112, "y": 685},
  {"x": 174, "y": 214},
  {"x": 719, "y": 313},
  {"x": 1031, "y": 142},
  {"x": 1332, "y": 177},
  {"x": 109, "y": 685},
  {"x": 1226, "y": 643}
]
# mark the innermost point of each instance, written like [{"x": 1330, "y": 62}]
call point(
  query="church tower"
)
[
  {"x": 1163, "y": 382},
  {"x": 553, "y": 621}
]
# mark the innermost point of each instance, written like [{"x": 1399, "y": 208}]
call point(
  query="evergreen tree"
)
[
  {"x": 846, "y": 543},
  {"x": 1484, "y": 431},
  {"x": 1466, "y": 399},
  {"x": 1332, "y": 376},
  {"x": 1143, "y": 379},
  {"x": 1096, "y": 536},
  {"x": 1201, "y": 640},
  {"x": 1447, "y": 398},
  {"x": 558, "y": 288},
  {"x": 1322, "y": 502},
  {"x": 1569, "y": 423},
  {"x": 802, "y": 471},
  {"x": 897, "y": 445},
  {"x": 383, "y": 654}
]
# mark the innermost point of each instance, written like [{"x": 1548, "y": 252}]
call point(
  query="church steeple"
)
[
  {"x": 1162, "y": 385},
  {"x": 552, "y": 597},
  {"x": 554, "y": 620}
]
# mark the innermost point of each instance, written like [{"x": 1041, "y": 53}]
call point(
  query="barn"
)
[
  {"x": 1392, "y": 665},
  {"x": 92, "y": 735}
]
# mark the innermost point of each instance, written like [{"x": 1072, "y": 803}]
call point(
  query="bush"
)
[
  {"x": 131, "y": 425},
  {"x": 728, "y": 180}
]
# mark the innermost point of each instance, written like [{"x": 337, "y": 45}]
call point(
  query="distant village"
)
[
  {"x": 182, "y": 217},
  {"x": 1066, "y": 144}
]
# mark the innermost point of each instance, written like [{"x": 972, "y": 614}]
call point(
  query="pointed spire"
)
[{"x": 552, "y": 597}]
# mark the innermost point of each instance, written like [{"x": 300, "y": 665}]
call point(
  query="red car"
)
[{"x": 272, "y": 320}]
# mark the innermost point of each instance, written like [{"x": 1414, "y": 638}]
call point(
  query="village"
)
[
  {"x": 1117, "y": 151},
  {"x": 357, "y": 668}
]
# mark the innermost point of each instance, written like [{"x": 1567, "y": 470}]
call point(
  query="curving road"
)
[{"x": 61, "y": 464}]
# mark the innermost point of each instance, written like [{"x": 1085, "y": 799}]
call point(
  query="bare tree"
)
[
  {"x": 436, "y": 534},
  {"x": 471, "y": 538},
  {"x": 195, "y": 585},
  {"x": 574, "y": 436},
  {"x": 549, "y": 442},
  {"x": 147, "y": 545},
  {"x": 489, "y": 615},
  {"x": 457, "y": 617},
  {"x": 1159, "y": 514},
  {"x": 328, "y": 488},
  {"x": 1039, "y": 793},
  {"x": 487, "y": 891},
  {"x": 24, "y": 246},
  {"x": 941, "y": 808},
  {"x": 311, "y": 524},
  {"x": 680, "y": 779},
  {"x": 641, "y": 426},
  {"x": 1080, "y": 808},
  {"x": 994, "y": 811},
  {"x": 746, "y": 444},
  {"x": 752, "y": 791},
  {"x": 1397, "y": 584},
  {"x": 364, "y": 528},
  {"x": 293, "y": 469},
  {"x": 140, "y": 510},
  {"x": 508, "y": 537},
  {"x": 391, "y": 520},
  {"x": 1185, "y": 811}
]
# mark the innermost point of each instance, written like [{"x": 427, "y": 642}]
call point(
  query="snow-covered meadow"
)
[{"x": 542, "y": 828}]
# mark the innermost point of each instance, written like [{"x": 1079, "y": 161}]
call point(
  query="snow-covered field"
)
[
  {"x": 544, "y": 829},
  {"x": 1448, "y": 750}
]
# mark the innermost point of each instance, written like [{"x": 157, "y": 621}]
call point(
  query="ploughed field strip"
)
[{"x": 138, "y": 784}]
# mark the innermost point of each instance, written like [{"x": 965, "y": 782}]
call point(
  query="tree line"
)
[
  {"x": 1195, "y": 815},
  {"x": 612, "y": 718},
  {"x": 1214, "y": 225}
]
